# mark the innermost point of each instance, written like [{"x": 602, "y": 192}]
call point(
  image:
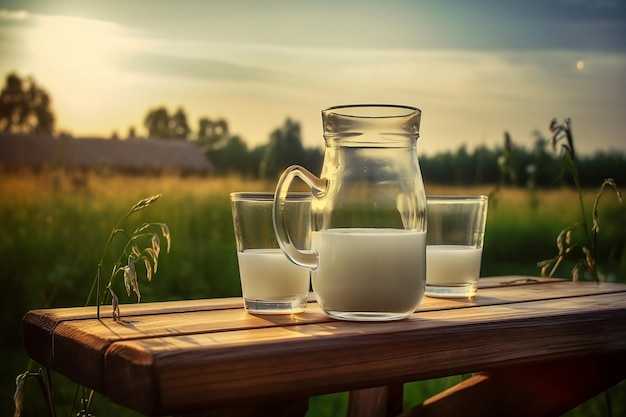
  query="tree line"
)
[
  {"x": 25, "y": 107},
  {"x": 229, "y": 153},
  {"x": 509, "y": 164},
  {"x": 517, "y": 166}
]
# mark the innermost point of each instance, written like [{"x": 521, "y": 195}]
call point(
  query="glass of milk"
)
[
  {"x": 270, "y": 282},
  {"x": 454, "y": 244}
]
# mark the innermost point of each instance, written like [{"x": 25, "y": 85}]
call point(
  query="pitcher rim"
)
[{"x": 409, "y": 110}]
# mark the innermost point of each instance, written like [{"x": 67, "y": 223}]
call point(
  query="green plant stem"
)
[
  {"x": 580, "y": 200},
  {"x": 576, "y": 177},
  {"x": 45, "y": 383},
  {"x": 96, "y": 281},
  {"x": 590, "y": 243}
]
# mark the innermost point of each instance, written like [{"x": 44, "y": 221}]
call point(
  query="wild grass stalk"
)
[
  {"x": 134, "y": 251},
  {"x": 507, "y": 173},
  {"x": 565, "y": 241}
]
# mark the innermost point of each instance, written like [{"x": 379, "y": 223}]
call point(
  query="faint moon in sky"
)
[{"x": 580, "y": 65}]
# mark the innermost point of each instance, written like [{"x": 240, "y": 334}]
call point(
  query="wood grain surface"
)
[{"x": 176, "y": 357}]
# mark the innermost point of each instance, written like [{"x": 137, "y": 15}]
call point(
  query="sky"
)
[{"x": 475, "y": 68}]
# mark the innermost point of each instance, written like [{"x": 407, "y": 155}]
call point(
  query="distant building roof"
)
[{"x": 128, "y": 156}]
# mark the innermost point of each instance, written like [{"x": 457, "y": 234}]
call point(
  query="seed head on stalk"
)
[
  {"x": 142, "y": 246},
  {"x": 587, "y": 262}
]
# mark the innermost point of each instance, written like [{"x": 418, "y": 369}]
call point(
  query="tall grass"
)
[{"x": 53, "y": 230}]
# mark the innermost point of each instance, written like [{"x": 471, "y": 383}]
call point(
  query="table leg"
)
[
  {"x": 376, "y": 402},
  {"x": 543, "y": 389},
  {"x": 288, "y": 408}
]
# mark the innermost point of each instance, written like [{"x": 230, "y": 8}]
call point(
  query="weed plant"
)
[{"x": 586, "y": 247}]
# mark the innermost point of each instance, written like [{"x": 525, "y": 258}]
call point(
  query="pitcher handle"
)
[{"x": 309, "y": 258}]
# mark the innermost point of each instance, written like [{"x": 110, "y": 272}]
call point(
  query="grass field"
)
[{"x": 54, "y": 230}]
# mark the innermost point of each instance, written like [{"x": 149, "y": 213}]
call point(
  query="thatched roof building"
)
[{"x": 135, "y": 156}]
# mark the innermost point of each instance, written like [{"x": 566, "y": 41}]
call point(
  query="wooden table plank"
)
[
  {"x": 38, "y": 325},
  {"x": 156, "y": 318},
  {"x": 86, "y": 339},
  {"x": 176, "y": 321},
  {"x": 176, "y": 356},
  {"x": 216, "y": 369}
]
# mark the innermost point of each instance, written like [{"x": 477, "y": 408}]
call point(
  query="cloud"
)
[
  {"x": 14, "y": 14},
  {"x": 198, "y": 68}
]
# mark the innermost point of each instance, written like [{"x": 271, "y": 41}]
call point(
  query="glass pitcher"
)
[{"x": 368, "y": 214}]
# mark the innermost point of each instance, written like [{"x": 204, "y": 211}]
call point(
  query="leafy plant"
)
[{"x": 566, "y": 245}]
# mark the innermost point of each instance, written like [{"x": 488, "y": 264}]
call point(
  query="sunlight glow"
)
[
  {"x": 75, "y": 44},
  {"x": 580, "y": 65},
  {"x": 81, "y": 62}
]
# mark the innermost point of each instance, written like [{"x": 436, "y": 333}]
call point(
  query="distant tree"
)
[
  {"x": 232, "y": 157},
  {"x": 65, "y": 134},
  {"x": 212, "y": 133},
  {"x": 463, "y": 166},
  {"x": 178, "y": 126},
  {"x": 157, "y": 123},
  {"x": 594, "y": 169},
  {"x": 437, "y": 169},
  {"x": 255, "y": 158},
  {"x": 484, "y": 168},
  {"x": 25, "y": 107},
  {"x": 545, "y": 165},
  {"x": 506, "y": 162},
  {"x": 161, "y": 125},
  {"x": 313, "y": 158},
  {"x": 285, "y": 148}
]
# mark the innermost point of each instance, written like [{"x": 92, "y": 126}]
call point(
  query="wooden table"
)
[{"x": 541, "y": 346}]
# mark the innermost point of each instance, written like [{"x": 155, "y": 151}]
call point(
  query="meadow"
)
[{"x": 54, "y": 228}]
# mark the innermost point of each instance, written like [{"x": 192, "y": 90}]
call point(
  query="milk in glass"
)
[
  {"x": 453, "y": 266},
  {"x": 267, "y": 274}
]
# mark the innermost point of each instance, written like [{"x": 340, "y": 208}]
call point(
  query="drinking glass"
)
[
  {"x": 270, "y": 282},
  {"x": 454, "y": 244}
]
